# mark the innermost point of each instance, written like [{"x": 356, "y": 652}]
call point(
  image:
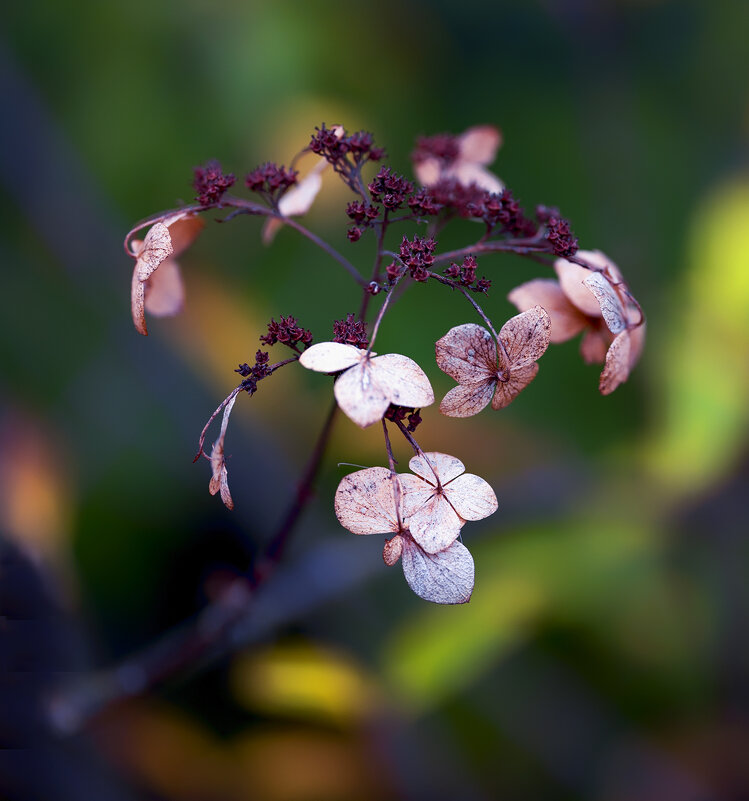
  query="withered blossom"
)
[
  {"x": 157, "y": 283},
  {"x": 486, "y": 373},
  {"x": 597, "y": 302},
  {"x": 462, "y": 158},
  {"x": 371, "y": 501},
  {"x": 220, "y": 478},
  {"x": 368, "y": 384},
  {"x": 297, "y": 201}
]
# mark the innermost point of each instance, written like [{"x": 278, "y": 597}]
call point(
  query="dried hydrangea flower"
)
[
  {"x": 157, "y": 284},
  {"x": 365, "y": 503},
  {"x": 440, "y": 497},
  {"x": 485, "y": 373},
  {"x": 220, "y": 478},
  {"x": 461, "y": 158},
  {"x": 296, "y": 201},
  {"x": 368, "y": 384},
  {"x": 596, "y": 302}
]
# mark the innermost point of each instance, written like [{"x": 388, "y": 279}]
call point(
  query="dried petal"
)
[
  {"x": 220, "y": 479},
  {"x": 467, "y": 173},
  {"x": 479, "y": 144},
  {"x": 183, "y": 229},
  {"x": 331, "y": 357},
  {"x": 467, "y": 353},
  {"x": 608, "y": 300},
  {"x": 465, "y": 400},
  {"x": 156, "y": 247},
  {"x": 443, "y": 578},
  {"x": 444, "y": 466},
  {"x": 359, "y": 395},
  {"x": 526, "y": 337},
  {"x": 472, "y": 497},
  {"x": 430, "y": 518},
  {"x": 404, "y": 382},
  {"x": 138, "y": 304},
  {"x": 508, "y": 390},
  {"x": 571, "y": 277},
  {"x": 298, "y": 199},
  {"x": 365, "y": 501},
  {"x": 393, "y": 550},
  {"x": 566, "y": 319},
  {"x": 594, "y": 345},
  {"x": 164, "y": 290},
  {"x": 636, "y": 344},
  {"x": 616, "y": 369},
  {"x": 428, "y": 172}
]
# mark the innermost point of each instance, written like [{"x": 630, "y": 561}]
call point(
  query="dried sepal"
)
[
  {"x": 467, "y": 353},
  {"x": 219, "y": 482},
  {"x": 393, "y": 550},
  {"x": 616, "y": 368},
  {"x": 609, "y": 302},
  {"x": 165, "y": 290},
  {"x": 369, "y": 384},
  {"x": 566, "y": 319},
  {"x": 365, "y": 501},
  {"x": 296, "y": 201},
  {"x": 525, "y": 337},
  {"x": 446, "y": 577}
]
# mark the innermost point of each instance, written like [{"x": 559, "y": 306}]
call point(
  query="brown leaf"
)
[
  {"x": 467, "y": 353},
  {"x": 443, "y": 578},
  {"x": 365, "y": 501},
  {"x": 393, "y": 550},
  {"x": 518, "y": 380},
  {"x": 526, "y": 337},
  {"x": 616, "y": 369},
  {"x": 566, "y": 319}
]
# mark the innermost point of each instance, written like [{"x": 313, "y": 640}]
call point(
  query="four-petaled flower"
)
[
  {"x": 462, "y": 158},
  {"x": 371, "y": 501},
  {"x": 157, "y": 283},
  {"x": 368, "y": 384},
  {"x": 469, "y": 354},
  {"x": 595, "y": 301}
]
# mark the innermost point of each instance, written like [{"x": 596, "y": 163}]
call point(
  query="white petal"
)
[
  {"x": 365, "y": 501},
  {"x": 360, "y": 397},
  {"x": 403, "y": 381},
  {"x": 610, "y": 303},
  {"x": 467, "y": 173},
  {"x": 428, "y": 171},
  {"x": 445, "y": 466},
  {"x": 157, "y": 246},
  {"x": 330, "y": 357},
  {"x": 443, "y": 578},
  {"x": 299, "y": 198},
  {"x": 471, "y": 497},
  {"x": 433, "y": 523}
]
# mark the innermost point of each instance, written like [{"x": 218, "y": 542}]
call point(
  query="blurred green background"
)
[{"x": 604, "y": 652}]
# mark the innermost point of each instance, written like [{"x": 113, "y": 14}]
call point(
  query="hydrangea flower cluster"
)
[{"x": 422, "y": 512}]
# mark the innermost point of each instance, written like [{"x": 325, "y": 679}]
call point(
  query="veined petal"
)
[
  {"x": 467, "y": 353},
  {"x": 443, "y": 578},
  {"x": 616, "y": 369},
  {"x": 566, "y": 319},
  {"x": 138, "y": 303},
  {"x": 465, "y": 400},
  {"x": 403, "y": 381},
  {"x": 446, "y": 467},
  {"x": 526, "y": 337},
  {"x": 507, "y": 391},
  {"x": 331, "y": 357},
  {"x": 359, "y": 395},
  {"x": 365, "y": 501},
  {"x": 434, "y": 524},
  {"x": 472, "y": 497},
  {"x": 393, "y": 550},
  {"x": 609, "y": 301},
  {"x": 156, "y": 247}
]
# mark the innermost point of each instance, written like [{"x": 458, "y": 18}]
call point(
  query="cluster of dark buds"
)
[
  {"x": 421, "y": 512},
  {"x": 211, "y": 183}
]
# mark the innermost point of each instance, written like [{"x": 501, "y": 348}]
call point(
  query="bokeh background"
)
[{"x": 604, "y": 653}]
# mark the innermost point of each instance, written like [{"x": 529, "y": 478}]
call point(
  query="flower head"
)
[
  {"x": 595, "y": 301},
  {"x": 368, "y": 384},
  {"x": 157, "y": 283},
  {"x": 484, "y": 372}
]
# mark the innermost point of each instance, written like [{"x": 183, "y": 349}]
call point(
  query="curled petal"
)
[
  {"x": 156, "y": 247},
  {"x": 138, "y": 304},
  {"x": 165, "y": 292},
  {"x": 566, "y": 319},
  {"x": 571, "y": 277},
  {"x": 443, "y": 578},
  {"x": 465, "y": 400},
  {"x": 365, "y": 501},
  {"x": 359, "y": 395},
  {"x": 610, "y": 304},
  {"x": 467, "y": 353},
  {"x": 519, "y": 379},
  {"x": 479, "y": 144},
  {"x": 472, "y": 497},
  {"x": 220, "y": 479},
  {"x": 331, "y": 357},
  {"x": 616, "y": 369},
  {"x": 526, "y": 337},
  {"x": 393, "y": 550},
  {"x": 403, "y": 381},
  {"x": 594, "y": 345},
  {"x": 183, "y": 229},
  {"x": 444, "y": 466}
]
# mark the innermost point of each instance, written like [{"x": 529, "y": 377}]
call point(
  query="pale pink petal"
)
[
  {"x": 138, "y": 303},
  {"x": 480, "y": 144},
  {"x": 402, "y": 380},
  {"x": 428, "y": 171},
  {"x": 393, "y": 550},
  {"x": 571, "y": 277},
  {"x": 220, "y": 479},
  {"x": 156, "y": 247},
  {"x": 359, "y": 395},
  {"x": 467, "y": 353},
  {"x": 616, "y": 369},
  {"x": 594, "y": 345},
  {"x": 612, "y": 310},
  {"x": 443, "y": 578},
  {"x": 566, "y": 320},
  {"x": 471, "y": 497},
  {"x": 445, "y": 466},
  {"x": 526, "y": 337},
  {"x": 434, "y": 524},
  {"x": 600, "y": 261},
  {"x": 331, "y": 357},
  {"x": 271, "y": 227},
  {"x": 465, "y": 400},
  {"x": 507, "y": 391},
  {"x": 165, "y": 292},
  {"x": 298, "y": 200},
  {"x": 365, "y": 501},
  {"x": 466, "y": 173},
  {"x": 636, "y": 344},
  {"x": 183, "y": 229}
]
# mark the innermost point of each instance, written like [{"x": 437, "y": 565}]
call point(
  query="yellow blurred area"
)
[
  {"x": 705, "y": 361},
  {"x": 172, "y": 755},
  {"x": 36, "y": 506},
  {"x": 304, "y": 680}
]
